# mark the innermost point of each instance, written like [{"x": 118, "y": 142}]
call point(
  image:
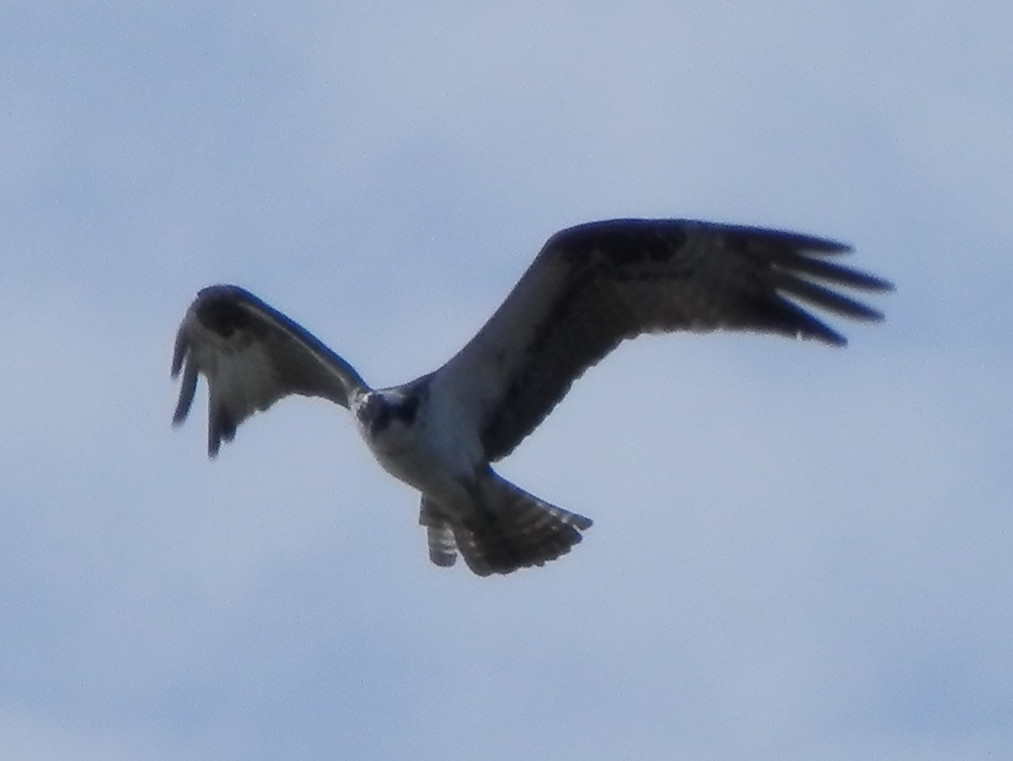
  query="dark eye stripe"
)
[{"x": 406, "y": 411}]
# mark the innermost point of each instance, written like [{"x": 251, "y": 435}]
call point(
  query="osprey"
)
[{"x": 589, "y": 288}]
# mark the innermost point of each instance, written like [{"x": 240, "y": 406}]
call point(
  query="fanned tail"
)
[{"x": 510, "y": 529}]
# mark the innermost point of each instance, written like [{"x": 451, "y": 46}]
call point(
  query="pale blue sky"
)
[{"x": 798, "y": 553}]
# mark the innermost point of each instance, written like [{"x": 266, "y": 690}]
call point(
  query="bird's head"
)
[{"x": 381, "y": 408}]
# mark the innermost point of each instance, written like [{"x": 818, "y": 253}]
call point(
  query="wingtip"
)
[
  {"x": 874, "y": 315},
  {"x": 187, "y": 391},
  {"x": 883, "y": 285},
  {"x": 179, "y": 350},
  {"x": 214, "y": 442}
]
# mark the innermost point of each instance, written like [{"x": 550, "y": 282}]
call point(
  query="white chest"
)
[{"x": 431, "y": 451}]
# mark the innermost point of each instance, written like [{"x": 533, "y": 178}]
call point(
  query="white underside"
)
[{"x": 430, "y": 454}]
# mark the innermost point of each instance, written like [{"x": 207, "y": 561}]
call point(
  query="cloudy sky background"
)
[{"x": 798, "y": 552}]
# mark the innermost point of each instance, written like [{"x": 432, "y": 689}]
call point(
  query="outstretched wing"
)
[
  {"x": 251, "y": 355},
  {"x": 593, "y": 285}
]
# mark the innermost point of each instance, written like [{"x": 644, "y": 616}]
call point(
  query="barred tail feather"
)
[
  {"x": 442, "y": 545},
  {"x": 513, "y": 529}
]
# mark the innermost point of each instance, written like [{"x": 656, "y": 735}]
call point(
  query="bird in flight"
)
[{"x": 590, "y": 287}]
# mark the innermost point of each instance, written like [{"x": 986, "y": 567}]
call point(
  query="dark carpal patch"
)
[
  {"x": 621, "y": 243},
  {"x": 222, "y": 314}
]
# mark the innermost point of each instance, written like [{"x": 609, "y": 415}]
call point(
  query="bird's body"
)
[
  {"x": 591, "y": 287},
  {"x": 416, "y": 441}
]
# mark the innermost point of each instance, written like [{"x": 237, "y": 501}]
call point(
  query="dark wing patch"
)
[
  {"x": 597, "y": 284},
  {"x": 616, "y": 243},
  {"x": 251, "y": 355}
]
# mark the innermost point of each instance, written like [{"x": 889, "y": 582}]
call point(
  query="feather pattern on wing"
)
[
  {"x": 251, "y": 355},
  {"x": 593, "y": 285}
]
